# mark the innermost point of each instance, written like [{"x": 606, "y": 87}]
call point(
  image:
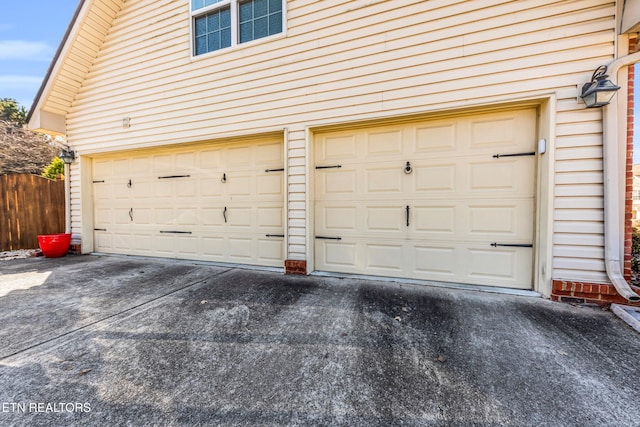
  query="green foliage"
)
[
  {"x": 635, "y": 250},
  {"x": 53, "y": 169},
  {"x": 10, "y": 111}
]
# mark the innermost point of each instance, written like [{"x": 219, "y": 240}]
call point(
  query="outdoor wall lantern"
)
[
  {"x": 599, "y": 91},
  {"x": 67, "y": 155}
]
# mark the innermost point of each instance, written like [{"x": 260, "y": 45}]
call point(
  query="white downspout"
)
[{"x": 612, "y": 202}]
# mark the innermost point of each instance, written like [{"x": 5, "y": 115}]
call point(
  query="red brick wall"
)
[
  {"x": 587, "y": 293},
  {"x": 628, "y": 206},
  {"x": 294, "y": 266}
]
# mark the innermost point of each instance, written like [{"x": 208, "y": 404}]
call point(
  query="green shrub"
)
[
  {"x": 53, "y": 169},
  {"x": 635, "y": 250}
]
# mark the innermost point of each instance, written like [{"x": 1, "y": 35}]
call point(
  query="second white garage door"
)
[
  {"x": 447, "y": 199},
  {"x": 218, "y": 202}
]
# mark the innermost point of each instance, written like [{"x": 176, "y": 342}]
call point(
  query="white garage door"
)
[
  {"x": 220, "y": 202},
  {"x": 448, "y": 199}
]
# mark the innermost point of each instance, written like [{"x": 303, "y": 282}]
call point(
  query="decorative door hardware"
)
[
  {"x": 174, "y": 232},
  {"x": 407, "y": 213},
  {"x": 329, "y": 167},
  {"x": 98, "y": 182},
  {"x": 274, "y": 235},
  {"x": 224, "y": 178},
  {"x": 274, "y": 170},
  {"x": 99, "y": 229},
  {"x": 129, "y": 184},
  {"x": 530, "y": 153},
  {"x": 131, "y": 214},
  {"x": 173, "y": 176},
  {"x": 511, "y": 245},
  {"x": 407, "y": 168},
  {"x": 328, "y": 238},
  {"x": 224, "y": 214}
]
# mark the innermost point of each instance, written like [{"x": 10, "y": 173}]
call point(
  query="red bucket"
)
[{"x": 54, "y": 245}]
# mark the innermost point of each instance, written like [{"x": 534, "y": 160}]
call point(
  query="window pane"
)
[
  {"x": 225, "y": 18},
  {"x": 246, "y": 32},
  {"x": 201, "y": 26},
  {"x": 211, "y": 31},
  {"x": 201, "y": 45},
  {"x": 246, "y": 11},
  {"x": 213, "y": 22},
  {"x": 199, "y": 4},
  {"x": 260, "y": 8},
  {"x": 225, "y": 37},
  {"x": 260, "y": 28},
  {"x": 213, "y": 41},
  {"x": 275, "y": 6},
  {"x": 265, "y": 17},
  {"x": 275, "y": 23}
]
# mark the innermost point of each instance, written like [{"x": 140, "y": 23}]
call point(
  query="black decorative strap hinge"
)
[{"x": 529, "y": 153}]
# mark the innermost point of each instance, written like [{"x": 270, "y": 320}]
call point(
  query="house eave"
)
[{"x": 630, "y": 17}]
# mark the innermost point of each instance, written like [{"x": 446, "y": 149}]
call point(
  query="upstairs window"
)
[{"x": 218, "y": 24}]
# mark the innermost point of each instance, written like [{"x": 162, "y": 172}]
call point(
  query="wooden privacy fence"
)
[{"x": 29, "y": 205}]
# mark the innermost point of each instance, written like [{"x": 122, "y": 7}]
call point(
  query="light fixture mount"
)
[
  {"x": 599, "y": 91},
  {"x": 67, "y": 155}
]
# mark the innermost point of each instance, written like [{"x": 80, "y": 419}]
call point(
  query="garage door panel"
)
[
  {"x": 434, "y": 178},
  {"x": 383, "y": 180},
  {"x": 438, "y": 262},
  {"x": 460, "y": 198},
  {"x": 337, "y": 147},
  {"x": 269, "y": 155},
  {"x": 384, "y": 143},
  {"x": 502, "y": 219},
  {"x": 438, "y": 219},
  {"x": 384, "y": 257},
  {"x": 269, "y": 185},
  {"x": 504, "y": 176},
  {"x": 384, "y": 218},
  {"x": 270, "y": 217},
  {"x": 506, "y": 266},
  {"x": 336, "y": 182},
  {"x": 270, "y": 250},
  {"x": 435, "y": 138},
  {"x": 178, "y": 198}
]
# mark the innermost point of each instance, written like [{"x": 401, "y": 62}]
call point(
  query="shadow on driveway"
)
[{"x": 150, "y": 342}]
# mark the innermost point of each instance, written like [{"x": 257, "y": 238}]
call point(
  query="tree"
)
[
  {"x": 21, "y": 150},
  {"x": 11, "y": 112},
  {"x": 54, "y": 169}
]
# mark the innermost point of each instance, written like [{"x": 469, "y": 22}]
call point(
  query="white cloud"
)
[
  {"x": 19, "y": 81},
  {"x": 22, "y": 49}
]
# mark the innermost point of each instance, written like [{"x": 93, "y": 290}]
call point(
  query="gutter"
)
[{"x": 612, "y": 235}]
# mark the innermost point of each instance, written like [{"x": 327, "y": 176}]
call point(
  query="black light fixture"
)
[
  {"x": 67, "y": 155},
  {"x": 599, "y": 91}
]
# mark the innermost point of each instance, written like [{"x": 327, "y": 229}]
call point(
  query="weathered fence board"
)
[{"x": 29, "y": 205}]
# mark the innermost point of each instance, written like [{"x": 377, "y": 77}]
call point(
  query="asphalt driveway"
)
[{"x": 107, "y": 341}]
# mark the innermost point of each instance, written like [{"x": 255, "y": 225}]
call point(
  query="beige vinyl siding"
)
[
  {"x": 297, "y": 186},
  {"x": 344, "y": 61}
]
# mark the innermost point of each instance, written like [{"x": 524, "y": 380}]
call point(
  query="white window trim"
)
[{"x": 234, "y": 26}]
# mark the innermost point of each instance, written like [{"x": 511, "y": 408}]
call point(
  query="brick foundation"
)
[
  {"x": 75, "y": 248},
  {"x": 587, "y": 293},
  {"x": 294, "y": 266}
]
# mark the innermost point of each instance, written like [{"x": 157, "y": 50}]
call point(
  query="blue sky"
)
[{"x": 30, "y": 32}]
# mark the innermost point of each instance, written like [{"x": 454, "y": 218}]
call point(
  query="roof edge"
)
[{"x": 55, "y": 59}]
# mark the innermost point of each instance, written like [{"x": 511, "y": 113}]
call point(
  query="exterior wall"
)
[
  {"x": 349, "y": 61},
  {"x": 628, "y": 210}
]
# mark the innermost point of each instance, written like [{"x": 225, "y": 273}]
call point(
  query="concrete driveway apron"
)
[{"x": 95, "y": 340}]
